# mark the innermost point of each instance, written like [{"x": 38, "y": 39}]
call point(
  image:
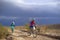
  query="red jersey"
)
[{"x": 32, "y": 23}]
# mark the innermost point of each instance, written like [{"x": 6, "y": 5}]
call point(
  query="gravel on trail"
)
[{"x": 19, "y": 35}]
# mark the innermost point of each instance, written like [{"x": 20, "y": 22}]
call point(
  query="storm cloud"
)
[{"x": 24, "y": 9}]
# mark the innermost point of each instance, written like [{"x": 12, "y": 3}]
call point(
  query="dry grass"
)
[{"x": 3, "y": 32}]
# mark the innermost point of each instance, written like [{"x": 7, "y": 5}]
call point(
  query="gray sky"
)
[
  {"x": 30, "y": 8},
  {"x": 47, "y": 11}
]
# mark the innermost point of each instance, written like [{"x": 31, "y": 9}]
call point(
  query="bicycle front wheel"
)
[{"x": 34, "y": 33}]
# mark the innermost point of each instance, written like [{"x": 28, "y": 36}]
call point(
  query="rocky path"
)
[{"x": 20, "y": 35}]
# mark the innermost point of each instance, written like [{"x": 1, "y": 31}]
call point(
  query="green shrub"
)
[{"x": 3, "y": 32}]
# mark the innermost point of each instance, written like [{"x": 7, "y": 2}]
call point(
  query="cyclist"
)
[
  {"x": 12, "y": 26},
  {"x": 32, "y": 26}
]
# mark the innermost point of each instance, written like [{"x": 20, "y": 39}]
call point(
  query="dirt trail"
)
[{"x": 19, "y": 35}]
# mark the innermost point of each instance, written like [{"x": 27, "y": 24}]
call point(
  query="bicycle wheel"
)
[
  {"x": 29, "y": 33},
  {"x": 35, "y": 33}
]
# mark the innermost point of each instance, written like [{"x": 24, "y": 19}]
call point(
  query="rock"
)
[
  {"x": 2, "y": 39},
  {"x": 18, "y": 38}
]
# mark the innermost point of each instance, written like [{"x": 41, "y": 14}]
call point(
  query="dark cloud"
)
[
  {"x": 37, "y": 11},
  {"x": 40, "y": 11}
]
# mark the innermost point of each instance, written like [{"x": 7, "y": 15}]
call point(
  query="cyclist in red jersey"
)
[
  {"x": 32, "y": 26},
  {"x": 32, "y": 23}
]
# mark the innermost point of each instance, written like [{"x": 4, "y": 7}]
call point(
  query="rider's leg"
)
[
  {"x": 31, "y": 30},
  {"x": 12, "y": 29}
]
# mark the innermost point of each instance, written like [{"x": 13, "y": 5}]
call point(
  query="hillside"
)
[{"x": 54, "y": 26}]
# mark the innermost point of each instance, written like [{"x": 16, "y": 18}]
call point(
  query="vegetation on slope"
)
[{"x": 3, "y": 32}]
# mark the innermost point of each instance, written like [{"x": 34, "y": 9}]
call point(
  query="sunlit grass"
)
[{"x": 3, "y": 32}]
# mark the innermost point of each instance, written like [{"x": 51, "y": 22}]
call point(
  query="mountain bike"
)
[{"x": 33, "y": 32}]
